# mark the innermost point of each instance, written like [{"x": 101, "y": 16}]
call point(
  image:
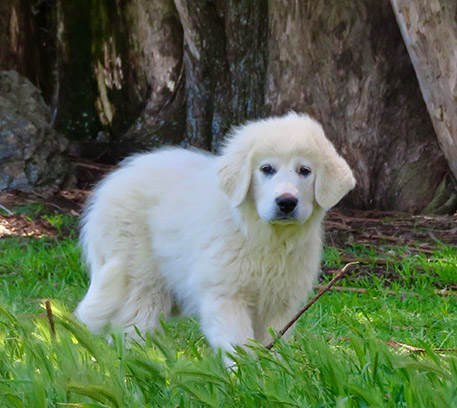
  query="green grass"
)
[
  {"x": 33, "y": 269},
  {"x": 337, "y": 357}
]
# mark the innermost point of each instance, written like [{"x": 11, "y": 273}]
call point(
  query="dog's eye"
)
[
  {"x": 268, "y": 170},
  {"x": 304, "y": 171}
]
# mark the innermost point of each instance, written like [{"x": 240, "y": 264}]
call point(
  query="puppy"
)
[{"x": 234, "y": 239}]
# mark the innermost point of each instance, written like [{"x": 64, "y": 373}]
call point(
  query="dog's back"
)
[{"x": 115, "y": 233}]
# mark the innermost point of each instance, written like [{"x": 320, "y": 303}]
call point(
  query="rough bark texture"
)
[
  {"x": 206, "y": 71},
  {"x": 246, "y": 33},
  {"x": 25, "y": 40},
  {"x": 114, "y": 59},
  {"x": 221, "y": 75},
  {"x": 345, "y": 63},
  {"x": 156, "y": 58},
  {"x": 76, "y": 115},
  {"x": 15, "y": 33},
  {"x": 429, "y": 28},
  {"x": 32, "y": 154}
]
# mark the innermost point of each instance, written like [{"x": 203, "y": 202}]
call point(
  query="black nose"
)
[{"x": 286, "y": 203}]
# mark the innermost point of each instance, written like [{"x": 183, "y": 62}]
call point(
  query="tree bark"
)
[
  {"x": 246, "y": 31},
  {"x": 26, "y": 42},
  {"x": 155, "y": 38},
  {"x": 221, "y": 81},
  {"x": 345, "y": 63},
  {"x": 115, "y": 60},
  {"x": 16, "y": 29},
  {"x": 76, "y": 115},
  {"x": 429, "y": 29}
]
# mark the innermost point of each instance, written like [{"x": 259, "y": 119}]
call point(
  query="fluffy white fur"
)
[{"x": 184, "y": 231}]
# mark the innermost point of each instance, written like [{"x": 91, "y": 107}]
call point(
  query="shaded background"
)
[{"x": 123, "y": 76}]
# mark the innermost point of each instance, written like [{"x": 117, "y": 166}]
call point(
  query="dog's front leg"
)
[{"x": 226, "y": 322}]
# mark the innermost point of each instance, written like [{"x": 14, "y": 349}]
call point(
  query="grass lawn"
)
[{"x": 345, "y": 351}]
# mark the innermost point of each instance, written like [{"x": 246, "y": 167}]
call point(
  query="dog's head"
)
[{"x": 286, "y": 165}]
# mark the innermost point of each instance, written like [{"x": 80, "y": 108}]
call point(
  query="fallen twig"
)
[
  {"x": 351, "y": 289},
  {"x": 50, "y": 318},
  {"x": 377, "y": 261},
  {"x": 367, "y": 260},
  {"x": 94, "y": 166},
  {"x": 9, "y": 212},
  {"x": 441, "y": 292},
  {"x": 386, "y": 238},
  {"x": 411, "y": 246},
  {"x": 397, "y": 346},
  {"x": 337, "y": 225},
  {"x": 324, "y": 289}
]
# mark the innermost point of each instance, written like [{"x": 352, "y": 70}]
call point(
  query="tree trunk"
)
[
  {"x": 345, "y": 63},
  {"x": 15, "y": 33},
  {"x": 222, "y": 78},
  {"x": 26, "y": 42},
  {"x": 429, "y": 29},
  {"x": 76, "y": 115},
  {"x": 115, "y": 59},
  {"x": 155, "y": 40}
]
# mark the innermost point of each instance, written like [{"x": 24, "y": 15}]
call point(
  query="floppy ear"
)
[
  {"x": 234, "y": 174},
  {"x": 333, "y": 180}
]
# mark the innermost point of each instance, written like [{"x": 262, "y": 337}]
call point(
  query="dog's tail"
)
[{"x": 105, "y": 296}]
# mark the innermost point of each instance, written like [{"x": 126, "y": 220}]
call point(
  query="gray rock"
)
[{"x": 32, "y": 153}]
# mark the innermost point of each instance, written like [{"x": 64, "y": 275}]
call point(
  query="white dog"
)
[{"x": 233, "y": 239}]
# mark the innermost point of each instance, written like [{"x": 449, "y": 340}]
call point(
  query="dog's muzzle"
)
[{"x": 285, "y": 208}]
